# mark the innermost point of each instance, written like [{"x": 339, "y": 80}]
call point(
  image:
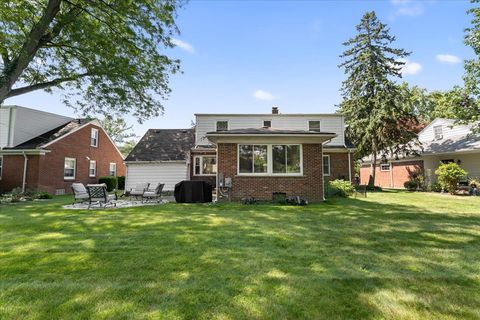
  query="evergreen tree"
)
[{"x": 376, "y": 109}]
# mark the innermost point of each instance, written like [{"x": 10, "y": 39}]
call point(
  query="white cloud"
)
[
  {"x": 263, "y": 95},
  {"x": 410, "y": 68},
  {"x": 448, "y": 58},
  {"x": 183, "y": 45},
  {"x": 408, "y": 7}
]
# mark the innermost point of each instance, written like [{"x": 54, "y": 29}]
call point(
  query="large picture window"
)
[
  {"x": 269, "y": 159},
  {"x": 205, "y": 165},
  {"x": 69, "y": 168}
]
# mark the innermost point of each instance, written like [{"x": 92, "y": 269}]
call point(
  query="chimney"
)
[{"x": 274, "y": 110}]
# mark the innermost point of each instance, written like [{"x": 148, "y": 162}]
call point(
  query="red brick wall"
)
[
  {"x": 339, "y": 165},
  {"x": 45, "y": 173},
  {"x": 400, "y": 172},
  {"x": 308, "y": 186}
]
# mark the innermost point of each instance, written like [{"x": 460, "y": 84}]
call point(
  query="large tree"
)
[
  {"x": 107, "y": 55},
  {"x": 376, "y": 109},
  {"x": 118, "y": 130},
  {"x": 471, "y": 112}
]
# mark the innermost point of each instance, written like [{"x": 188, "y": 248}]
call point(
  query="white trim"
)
[
  {"x": 74, "y": 168},
  {"x": 201, "y": 174},
  {"x": 153, "y": 162},
  {"x": 385, "y": 164},
  {"x": 267, "y": 114},
  {"x": 96, "y": 137},
  {"x": 94, "y": 168},
  {"x": 329, "y": 165},
  {"x": 270, "y": 172},
  {"x": 16, "y": 152}
]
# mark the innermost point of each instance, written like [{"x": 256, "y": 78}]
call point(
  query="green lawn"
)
[{"x": 394, "y": 255}]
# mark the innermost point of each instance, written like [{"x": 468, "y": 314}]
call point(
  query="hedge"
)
[{"x": 111, "y": 182}]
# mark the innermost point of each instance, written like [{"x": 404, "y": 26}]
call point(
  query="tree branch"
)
[{"x": 44, "y": 85}]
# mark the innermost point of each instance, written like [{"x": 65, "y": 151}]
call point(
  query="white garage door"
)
[{"x": 169, "y": 173}]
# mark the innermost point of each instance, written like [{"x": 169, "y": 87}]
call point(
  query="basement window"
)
[{"x": 385, "y": 167}]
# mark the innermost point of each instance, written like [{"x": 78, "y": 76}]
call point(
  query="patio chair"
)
[
  {"x": 153, "y": 193},
  {"x": 98, "y": 195},
  {"x": 80, "y": 193},
  {"x": 139, "y": 190}
]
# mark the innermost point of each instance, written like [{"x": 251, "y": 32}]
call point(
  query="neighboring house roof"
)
[
  {"x": 267, "y": 131},
  {"x": 163, "y": 145},
  {"x": 469, "y": 142},
  {"x": 348, "y": 145},
  {"x": 51, "y": 135}
]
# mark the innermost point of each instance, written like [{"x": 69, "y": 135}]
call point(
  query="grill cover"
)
[{"x": 189, "y": 191}]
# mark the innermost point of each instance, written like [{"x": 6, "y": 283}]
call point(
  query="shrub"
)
[
  {"x": 340, "y": 188},
  {"x": 436, "y": 187},
  {"x": 43, "y": 195},
  {"x": 121, "y": 182},
  {"x": 411, "y": 185},
  {"x": 474, "y": 183},
  {"x": 110, "y": 182},
  {"x": 449, "y": 174}
]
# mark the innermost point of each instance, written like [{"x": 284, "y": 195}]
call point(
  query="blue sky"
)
[{"x": 246, "y": 56}]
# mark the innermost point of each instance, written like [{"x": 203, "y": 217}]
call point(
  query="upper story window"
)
[
  {"x": 222, "y": 125},
  {"x": 438, "y": 132},
  {"x": 69, "y": 168},
  {"x": 112, "y": 170},
  {"x": 92, "y": 169},
  {"x": 314, "y": 125},
  {"x": 205, "y": 165},
  {"x": 94, "y": 137},
  {"x": 267, "y": 123}
]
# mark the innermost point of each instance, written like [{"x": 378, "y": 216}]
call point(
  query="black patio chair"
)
[{"x": 98, "y": 195}]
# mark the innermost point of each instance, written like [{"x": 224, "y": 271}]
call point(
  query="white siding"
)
[
  {"x": 4, "y": 126},
  {"x": 448, "y": 130},
  {"x": 328, "y": 123},
  {"x": 470, "y": 162},
  {"x": 165, "y": 172},
  {"x": 30, "y": 123}
]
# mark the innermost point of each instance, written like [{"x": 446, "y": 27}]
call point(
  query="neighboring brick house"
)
[
  {"x": 248, "y": 155},
  {"x": 441, "y": 141},
  {"x": 79, "y": 150}
]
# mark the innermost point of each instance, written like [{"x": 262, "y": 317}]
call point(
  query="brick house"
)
[
  {"x": 248, "y": 155},
  {"x": 441, "y": 141},
  {"x": 76, "y": 150}
]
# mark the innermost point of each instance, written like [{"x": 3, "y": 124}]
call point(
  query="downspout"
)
[
  {"x": 349, "y": 166},
  {"x": 25, "y": 163}
]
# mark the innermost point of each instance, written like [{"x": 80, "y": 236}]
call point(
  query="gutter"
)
[{"x": 16, "y": 152}]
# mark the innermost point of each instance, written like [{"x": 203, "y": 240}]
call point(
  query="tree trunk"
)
[
  {"x": 374, "y": 168},
  {"x": 22, "y": 58}
]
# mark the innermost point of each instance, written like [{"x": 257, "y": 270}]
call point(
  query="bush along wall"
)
[{"x": 110, "y": 182}]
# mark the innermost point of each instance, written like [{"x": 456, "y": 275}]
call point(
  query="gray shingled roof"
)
[
  {"x": 163, "y": 145},
  {"x": 51, "y": 135},
  {"x": 453, "y": 144},
  {"x": 247, "y": 131}
]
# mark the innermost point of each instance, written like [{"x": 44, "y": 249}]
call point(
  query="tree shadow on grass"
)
[{"x": 347, "y": 259}]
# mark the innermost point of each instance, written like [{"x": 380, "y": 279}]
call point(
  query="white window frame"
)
[
  {"x": 201, "y": 165},
  {"x": 270, "y": 160},
  {"x": 216, "y": 125},
  {"x": 94, "y": 137},
  {"x": 110, "y": 169},
  {"x": 1, "y": 167},
  {"x": 74, "y": 168},
  {"x": 319, "y": 125},
  {"x": 94, "y": 168},
  {"x": 385, "y": 164},
  {"x": 329, "y": 167},
  {"x": 437, "y": 136}
]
